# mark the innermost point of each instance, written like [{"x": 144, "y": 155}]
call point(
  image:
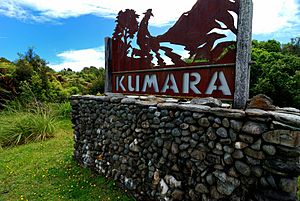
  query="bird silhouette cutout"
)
[{"x": 194, "y": 31}]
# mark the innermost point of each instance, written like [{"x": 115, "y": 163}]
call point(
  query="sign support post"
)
[
  {"x": 108, "y": 65},
  {"x": 243, "y": 55}
]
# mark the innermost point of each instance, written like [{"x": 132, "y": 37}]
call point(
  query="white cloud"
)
[
  {"x": 78, "y": 59},
  {"x": 272, "y": 15},
  {"x": 269, "y": 15},
  {"x": 165, "y": 11}
]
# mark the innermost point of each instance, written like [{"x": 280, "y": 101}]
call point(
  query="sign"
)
[
  {"x": 191, "y": 82},
  {"x": 141, "y": 63}
]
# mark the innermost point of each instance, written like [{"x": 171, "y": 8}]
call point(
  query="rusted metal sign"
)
[{"x": 145, "y": 64}]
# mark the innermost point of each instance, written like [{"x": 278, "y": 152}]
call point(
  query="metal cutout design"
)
[{"x": 194, "y": 30}]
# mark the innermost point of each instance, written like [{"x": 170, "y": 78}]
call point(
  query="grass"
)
[
  {"x": 45, "y": 170},
  {"x": 24, "y": 123},
  {"x": 298, "y": 193},
  {"x": 26, "y": 127}
]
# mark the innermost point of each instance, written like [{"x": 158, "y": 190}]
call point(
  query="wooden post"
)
[
  {"x": 243, "y": 55},
  {"x": 108, "y": 65}
]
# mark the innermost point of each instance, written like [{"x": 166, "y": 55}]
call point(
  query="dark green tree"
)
[
  {"x": 275, "y": 73},
  {"x": 293, "y": 47}
]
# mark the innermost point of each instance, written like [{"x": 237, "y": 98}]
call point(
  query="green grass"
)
[
  {"x": 23, "y": 123},
  {"x": 298, "y": 193},
  {"x": 26, "y": 127},
  {"x": 46, "y": 171}
]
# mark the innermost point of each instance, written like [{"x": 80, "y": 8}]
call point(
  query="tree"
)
[
  {"x": 293, "y": 47},
  {"x": 269, "y": 46},
  {"x": 275, "y": 73},
  {"x": 24, "y": 70}
]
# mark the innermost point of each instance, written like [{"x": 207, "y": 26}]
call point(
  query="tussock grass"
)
[
  {"x": 21, "y": 125},
  {"x": 61, "y": 110}
]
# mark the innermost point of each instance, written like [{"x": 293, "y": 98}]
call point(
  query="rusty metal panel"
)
[{"x": 194, "y": 31}]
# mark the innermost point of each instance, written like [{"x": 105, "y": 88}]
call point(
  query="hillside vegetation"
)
[
  {"x": 275, "y": 72},
  {"x": 29, "y": 79}
]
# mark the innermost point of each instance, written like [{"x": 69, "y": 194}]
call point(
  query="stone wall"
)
[{"x": 162, "y": 149}]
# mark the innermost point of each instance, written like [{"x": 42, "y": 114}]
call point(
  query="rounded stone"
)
[
  {"x": 145, "y": 124},
  {"x": 199, "y": 155},
  {"x": 211, "y": 144},
  {"x": 193, "y": 195},
  {"x": 201, "y": 188},
  {"x": 288, "y": 185},
  {"x": 246, "y": 138},
  {"x": 184, "y": 126},
  {"x": 257, "y": 171},
  {"x": 219, "y": 146},
  {"x": 225, "y": 123},
  {"x": 176, "y": 132},
  {"x": 222, "y": 132},
  {"x": 254, "y": 128},
  {"x": 189, "y": 120},
  {"x": 165, "y": 153},
  {"x": 157, "y": 114},
  {"x": 174, "y": 148},
  {"x": 232, "y": 135},
  {"x": 156, "y": 120},
  {"x": 237, "y": 154},
  {"x": 193, "y": 128},
  {"x": 228, "y": 159},
  {"x": 242, "y": 168},
  {"x": 197, "y": 115},
  {"x": 256, "y": 145},
  {"x": 240, "y": 145},
  {"x": 271, "y": 181},
  {"x": 228, "y": 149},
  {"x": 269, "y": 149},
  {"x": 204, "y": 122},
  {"x": 169, "y": 125},
  {"x": 159, "y": 142},
  {"x": 210, "y": 179},
  {"x": 195, "y": 136},
  {"x": 177, "y": 194},
  {"x": 236, "y": 125},
  {"x": 183, "y": 146},
  {"x": 211, "y": 134}
]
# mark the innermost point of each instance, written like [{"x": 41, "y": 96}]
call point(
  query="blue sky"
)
[{"x": 70, "y": 33}]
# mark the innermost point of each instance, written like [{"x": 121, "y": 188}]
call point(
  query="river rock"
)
[
  {"x": 236, "y": 125},
  {"x": 269, "y": 149},
  {"x": 226, "y": 184},
  {"x": 288, "y": 185},
  {"x": 222, "y": 132},
  {"x": 283, "y": 137},
  {"x": 261, "y": 101},
  {"x": 199, "y": 155},
  {"x": 212, "y": 102},
  {"x": 201, "y": 188},
  {"x": 242, "y": 168},
  {"x": 254, "y": 154},
  {"x": 204, "y": 122},
  {"x": 254, "y": 128},
  {"x": 177, "y": 194}
]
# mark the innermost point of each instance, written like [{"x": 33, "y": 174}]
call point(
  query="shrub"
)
[{"x": 22, "y": 128}]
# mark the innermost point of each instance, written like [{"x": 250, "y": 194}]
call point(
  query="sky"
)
[{"x": 70, "y": 33}]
